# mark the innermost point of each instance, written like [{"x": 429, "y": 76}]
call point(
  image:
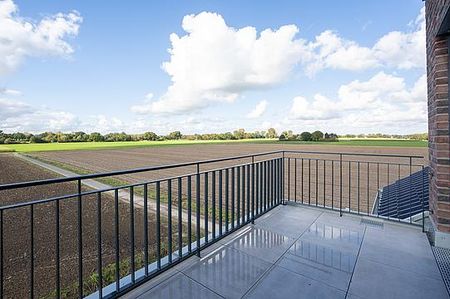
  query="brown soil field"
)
[
  {"x": 17, "y": 235},
  {"x": 359, "y": 187}
]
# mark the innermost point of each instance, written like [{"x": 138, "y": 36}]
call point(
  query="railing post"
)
[{"x": 340, "y": 185}]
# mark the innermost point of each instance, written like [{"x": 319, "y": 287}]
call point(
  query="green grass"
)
[
  {"x": 43, "y": 147},
  {"x": 37, "y": 147}
]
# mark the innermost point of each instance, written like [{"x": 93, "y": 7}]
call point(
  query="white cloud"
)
[
  {"x": 216, "y": 63},
  {"x": 18, "y": 116},
  {"x": 396, "y": 49},
  {"x": 10, "y": 92},
  {"x": 384, "y": 102},
  {"x": 259, "y": 110},
  {"x": 321, "y": 108},
  {"x": 21, "y": 38}
]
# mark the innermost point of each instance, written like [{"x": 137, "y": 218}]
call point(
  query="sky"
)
[{"x": 212, "y": 66}]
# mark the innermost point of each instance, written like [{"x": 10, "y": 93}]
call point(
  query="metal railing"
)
[{"x": 123, "y": 236}]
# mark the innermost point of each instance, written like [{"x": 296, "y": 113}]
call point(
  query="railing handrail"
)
[{"x": 185, "y": 164}]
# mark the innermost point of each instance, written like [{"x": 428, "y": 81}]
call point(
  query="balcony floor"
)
[{"x": 302, "y": 252}]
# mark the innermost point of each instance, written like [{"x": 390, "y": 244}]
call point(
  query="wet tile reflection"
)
[
  {"x": 333, "y": 233},
  {"x": 324, "y": 256},
  {"x": 228, "y": 271},
  {"x": 262, "y": 243},
  {"x": 179, "y": 286}
]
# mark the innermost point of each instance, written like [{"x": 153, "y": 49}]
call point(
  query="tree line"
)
[
  {"x": 49, "y": 137},
  {"x": 307, "y": 136}
]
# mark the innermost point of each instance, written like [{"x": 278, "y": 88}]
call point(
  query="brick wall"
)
[{"x": 438, "y": 114}]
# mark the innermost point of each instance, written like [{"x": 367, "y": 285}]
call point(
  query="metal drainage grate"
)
[
  {"x": 373, "y": 223},
  {"x": 442, "y": 256}
]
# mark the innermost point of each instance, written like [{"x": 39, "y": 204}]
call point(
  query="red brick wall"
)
[{"x": 438, "y": 114}]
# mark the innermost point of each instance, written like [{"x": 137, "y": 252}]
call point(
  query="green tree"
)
[
  {"x": 271, "y": 133},
  {"x": 150, "y": 136},
  {"x": 305, "y": 136},
  {"x": 316, "y": 136},
  {"x": 174, "y": 135},
  {"x": 239, "y": 134},
  {"x": 96, "y": 137}
]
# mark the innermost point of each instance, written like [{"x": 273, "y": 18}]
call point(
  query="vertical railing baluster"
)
[
  {"x": 324, "y": 182},
  {"x": 397, "y": 193},
  {"x": 349, "y": 186},
  {"x": 248, "y": 193},
  {"x": 410, "y": 189},
  {"x": 227, "y": 194},
  {"x": 266, "y": 186},
  {"x": 243, "y": 194},
  {"x": 261, "y": 190},
  {"x": 31, "y": 251},
  {"x": 256, "y": 169},
  {"x": 189, "y": 199},
  {"x": 180, "y": 217},
  {"x": 422, "y": 199},
  {"x": 317, "y": 181},
  {"x": 158, "y": 224},
  {"x": 359, "y": 185},
  {"x": 169, "y": 220},
  {"x": 132, "y": 253},
  {"x": 116, "y": 237},
  {"x": 289, "y": 177},
  {"x": 99, "y": 245},
  {"x": 309, "y": 181},
  {"x": 197, "y": 208},
  {"x": 220, "y": 202},
  {"x": 253, "y": 189},
  {"x": 295, "y": 180},
  {"x": 302, "y": 172},
  {"x": 146, "y": 229},
  {"x": 213, "y": 203},
  {"x": 388, "y": 191},
  {"x": 332, "y": 184},
  {"x": 368, "y": 188},
  {"x": 57, "y": 250},
  {"x": 238, "y": 195},
  {"x": 80, "y": 241},
  {"x": 340, "y": 183},
  {"x": 233, "y": 194},
  {"x": 206, "y": 206},
  {"x": 1, "y": 255}
]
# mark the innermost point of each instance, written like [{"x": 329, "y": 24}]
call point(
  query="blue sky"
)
[{"x": 83, "y": 65}]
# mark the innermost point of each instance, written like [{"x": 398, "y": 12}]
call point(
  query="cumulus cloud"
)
[
  {"x": 383, "y": 100},
  {"x": 214, "y": 62},
  {"x": 18, "y": 116},
  {"x": 21, "y": 38},
  {"x": 396, "y": 49},
  {"x": 321, "y": 108},
  {"x": 259, "y": 110}
]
